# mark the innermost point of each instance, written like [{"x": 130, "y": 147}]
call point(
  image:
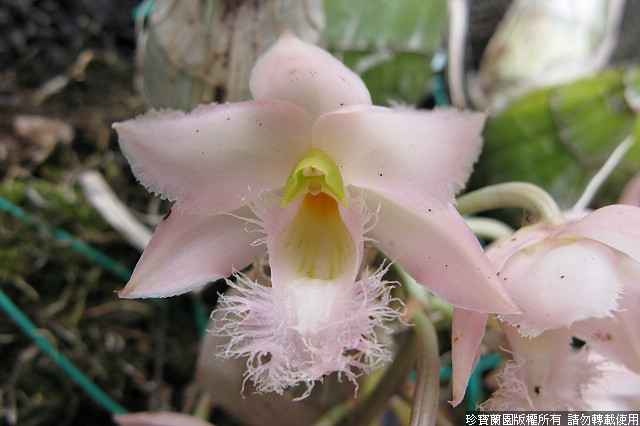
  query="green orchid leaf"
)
[
  {"x": 390, "y": 44},
  {"x": 559, "y": 137}
]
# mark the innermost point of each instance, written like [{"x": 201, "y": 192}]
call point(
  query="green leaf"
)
[
  {"x": 390, "y": 44},
  {"x": 559, "y": 137}
]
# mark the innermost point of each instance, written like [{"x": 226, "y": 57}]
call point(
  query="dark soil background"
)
[{"x": 66, "y": 73}]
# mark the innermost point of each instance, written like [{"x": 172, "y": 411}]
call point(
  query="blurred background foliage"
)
[
  {"x": 390, "y": 44},
  {"x": 559, "y": 137}
]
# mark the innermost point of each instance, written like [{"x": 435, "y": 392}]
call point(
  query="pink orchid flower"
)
[
  {"x": 615, "y": 389},
  {"x": 158, "y": 419},
  {"x": 552, "y": 372},
  {"x": 318, "y": 169},
  {"x": 546, "y": 373},
  {"x": 580, "y": 278}
]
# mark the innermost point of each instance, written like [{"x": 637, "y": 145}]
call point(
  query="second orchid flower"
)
[{"x": 318, "y": 169}]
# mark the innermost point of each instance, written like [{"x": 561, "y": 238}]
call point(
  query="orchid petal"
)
[
  {"x": 215, "y": 157},
  {"x": 616, "y": 389},
  {"x": 412, "y": 157},
  {"x": 158, "y": 419},
  {"x": 190, "y": 250},
  {"x": 500, "y": 251},
  {"x": 441, "y": 253},
  {"x": 302, "y": 73},
  {"x": 557, "y": 284},
  {"x": 545, "y": 374},
  {"x": 618, "y": 338},
  {"x": 617, "y": 226},
  {"x": 631, "y": 192},
  {"x": 466, "y": 336}
]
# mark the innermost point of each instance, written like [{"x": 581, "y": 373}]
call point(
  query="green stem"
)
[
  {"x": 364, "y": 413},
  {"x": 512, "y": 194},
  {"x": 424, "y": 409},
  {"x": 335, "y": 414},
  {"x": 390, "y": 383},
  {"x": 71, "y": 370},
  {"x": 488, "y": 228}
]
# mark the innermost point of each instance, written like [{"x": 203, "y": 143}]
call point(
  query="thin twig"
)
[
  {"x": 458, "y": 26},
  {"x": 424, "y": 409},
  {"x": 155, "y": 396},
  {"x": 605, "y": 171},
  {"x": 102, "y": 197},
  {"x": 59, "y": 82}
]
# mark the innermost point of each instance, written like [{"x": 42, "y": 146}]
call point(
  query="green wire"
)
[
  {"x": 72, "y": 371},
  {"x": 143, "y": 10},
  {"x": 440, "y": 95},
  {"x": 440, "y": 91},
  {"x": 74, "y": 243},
  {"x": 200, "y": 313}
]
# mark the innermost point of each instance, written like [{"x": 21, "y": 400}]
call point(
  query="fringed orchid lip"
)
[{"x": 316, "y": 317}]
